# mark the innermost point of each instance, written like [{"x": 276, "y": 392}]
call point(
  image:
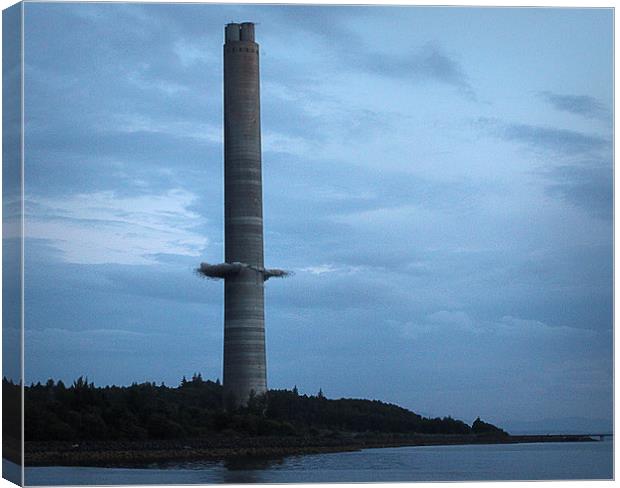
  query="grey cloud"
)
[
  {"x": 172, "y": 281},
  {"x": 588, "y": 185},
  {"x": 583, "y": 105},
  {"x": 338, "y": 291},
  {"x": 428, "y": 63},
  {"x": 550, "y": 138},
  {"x": 119, "y": 64},
  {"x": 156, "y": 158},
  {"x": 581, "y": 169},
  {"x": 570, "y": 286},
  {"x": 490, "y": 279},
  {"x": 340, "y": 187},
  {"x": 331, "y": 23},
  {"x": 436, "y": 64}
]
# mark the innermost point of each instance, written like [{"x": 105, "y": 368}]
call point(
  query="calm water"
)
[{"x": 545, "y": 461}]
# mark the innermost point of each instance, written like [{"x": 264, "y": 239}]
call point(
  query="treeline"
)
[{"x": 147, "y": 411}]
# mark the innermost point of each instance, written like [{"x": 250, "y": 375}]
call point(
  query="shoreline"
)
[{"x": 119, "y": 454}]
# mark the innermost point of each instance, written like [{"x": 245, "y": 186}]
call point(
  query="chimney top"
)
[{"x": 240, "y": 32}]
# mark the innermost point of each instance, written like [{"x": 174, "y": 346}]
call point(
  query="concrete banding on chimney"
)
[{"x": 245, "y": 370}]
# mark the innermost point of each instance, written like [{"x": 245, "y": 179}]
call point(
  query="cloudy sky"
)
[{"x": 439, "y": 180}]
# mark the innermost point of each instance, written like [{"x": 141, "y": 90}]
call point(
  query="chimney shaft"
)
[{"x": 244, "y": 321}]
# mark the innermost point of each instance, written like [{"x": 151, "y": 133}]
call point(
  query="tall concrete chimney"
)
[
  {"x": 245, "y": 371},
  {"x": 244, "y": 309}
]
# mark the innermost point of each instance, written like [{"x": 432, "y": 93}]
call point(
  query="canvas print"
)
[{"x": 306, "y": 243}]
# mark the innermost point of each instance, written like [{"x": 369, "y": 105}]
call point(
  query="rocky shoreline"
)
[{"x": 142, "y": 453}]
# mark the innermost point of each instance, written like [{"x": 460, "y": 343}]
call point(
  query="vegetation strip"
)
[{"x": 146, "y": 423}]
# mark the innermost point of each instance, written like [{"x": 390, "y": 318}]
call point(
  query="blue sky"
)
[{"x": 439, "y": 180}]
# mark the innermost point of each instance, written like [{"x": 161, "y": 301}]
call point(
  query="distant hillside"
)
[
  {"x": 147, "y": 411},
  {"x": 564, "y": 425}
]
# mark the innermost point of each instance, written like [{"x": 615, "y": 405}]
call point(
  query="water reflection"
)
[
  {"x": 252, "y": 462},
  {"x": 550, "y": 461},
  {"x": 248, "y": 469},
  {"x": 237, "y": 469}
]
